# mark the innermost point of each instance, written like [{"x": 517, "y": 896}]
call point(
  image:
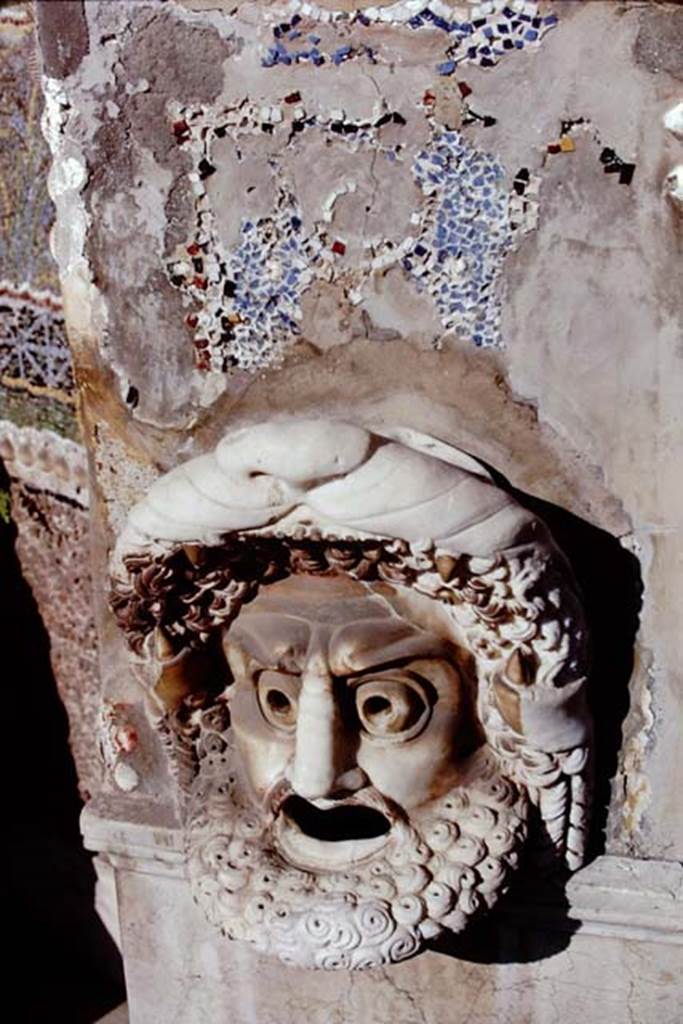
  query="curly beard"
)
[{"x": 431, "y": 873}]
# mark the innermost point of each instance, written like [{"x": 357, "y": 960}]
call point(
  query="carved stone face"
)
[
  {"x": 409, "y": 668},
  {"x": 335, "y": 696},
  {"x": 347, "y": 790}
]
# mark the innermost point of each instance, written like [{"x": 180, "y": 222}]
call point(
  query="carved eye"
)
[
  {"x": 278, "y": 697},
  {"x": 392, "y": 709}
]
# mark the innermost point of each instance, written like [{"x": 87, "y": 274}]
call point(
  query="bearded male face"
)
[
  {"x": 351, "y": 810},
  {"x": 409, "y": 663}
]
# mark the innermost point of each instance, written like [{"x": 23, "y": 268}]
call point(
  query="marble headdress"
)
[{"x": 333, "y": 475}]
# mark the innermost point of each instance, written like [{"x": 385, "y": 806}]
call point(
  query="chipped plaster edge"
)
[
  {"x": 46, "y": 461},
  {"x": 84, "y": 306}
]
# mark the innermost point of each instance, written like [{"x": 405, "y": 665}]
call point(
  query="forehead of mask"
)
[{"x": 350, "y": 622}]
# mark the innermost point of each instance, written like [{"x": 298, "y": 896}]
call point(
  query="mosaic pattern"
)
[
  {"x": 247, "y": 299},
  {"x": 34, "y": 353},
  {"x": 490, "y": 31},
  {"x": 459, "y": 256},
  {"x": 245, "y": 296},
  {"x": 271, "y": 299},
  {"x": 27, "y": 212},
  {"x": 35, "y": 362},
  {"x": 612, "y": 163},
  {"x": 524, "y": 204},
  {"x": 291, "y": 45},
  {"x": 496, "y": 29}
]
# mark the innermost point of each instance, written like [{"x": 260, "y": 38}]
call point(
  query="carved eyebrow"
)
[
  {"x": 274, "y": 646},
  {"x": 274, "y": 642},
  {"x": 289, "y": 660},
  {"x": 355, "y": 678},
  {"x": 347, "y": 662}
]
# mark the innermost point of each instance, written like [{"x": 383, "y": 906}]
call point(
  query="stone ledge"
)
[
  {"x": 621, "y": 897},
  {"x": 617, "y": 896},
  {"x": 45, "y": 460}
]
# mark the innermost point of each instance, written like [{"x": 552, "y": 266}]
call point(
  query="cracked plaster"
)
[
  {"x": 122, "y": 102},
  {"x": 636, "y": 981}
]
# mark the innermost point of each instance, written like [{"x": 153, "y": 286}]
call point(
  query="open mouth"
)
[
  {"x": 338, "y": 824},
  {"x": 330, "y": 838}
]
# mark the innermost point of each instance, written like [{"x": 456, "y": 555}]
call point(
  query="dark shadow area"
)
[
  {"x": 532, "y": 921},
  {"x": 338, "y": 824},
  {"x": 63, "y": 965}
]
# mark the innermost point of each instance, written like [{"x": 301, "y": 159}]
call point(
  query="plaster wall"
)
[{"x": 520, "y": 980}]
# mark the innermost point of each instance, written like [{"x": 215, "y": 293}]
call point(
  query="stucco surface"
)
[{"x": 516, "y": 979}]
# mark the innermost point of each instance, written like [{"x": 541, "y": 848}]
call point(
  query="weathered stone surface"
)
[
  {"x": 63, "y": 35},
  {"x": 184, "y": 124},
  {"x": 582, "y": 291},
  {"x": 542, "y": 975},
  {"x": 659, "y": 43}
]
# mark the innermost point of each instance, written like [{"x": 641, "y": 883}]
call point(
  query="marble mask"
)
[{"x": 370, "y": 664}]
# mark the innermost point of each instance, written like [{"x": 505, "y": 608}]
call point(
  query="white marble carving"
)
[{"x": 370, "y": 665}]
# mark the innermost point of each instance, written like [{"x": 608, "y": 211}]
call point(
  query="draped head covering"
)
[{"x": 337, "y": 477}]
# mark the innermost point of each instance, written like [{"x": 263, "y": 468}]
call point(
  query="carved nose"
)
[{"x": 321, "y": 760}]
